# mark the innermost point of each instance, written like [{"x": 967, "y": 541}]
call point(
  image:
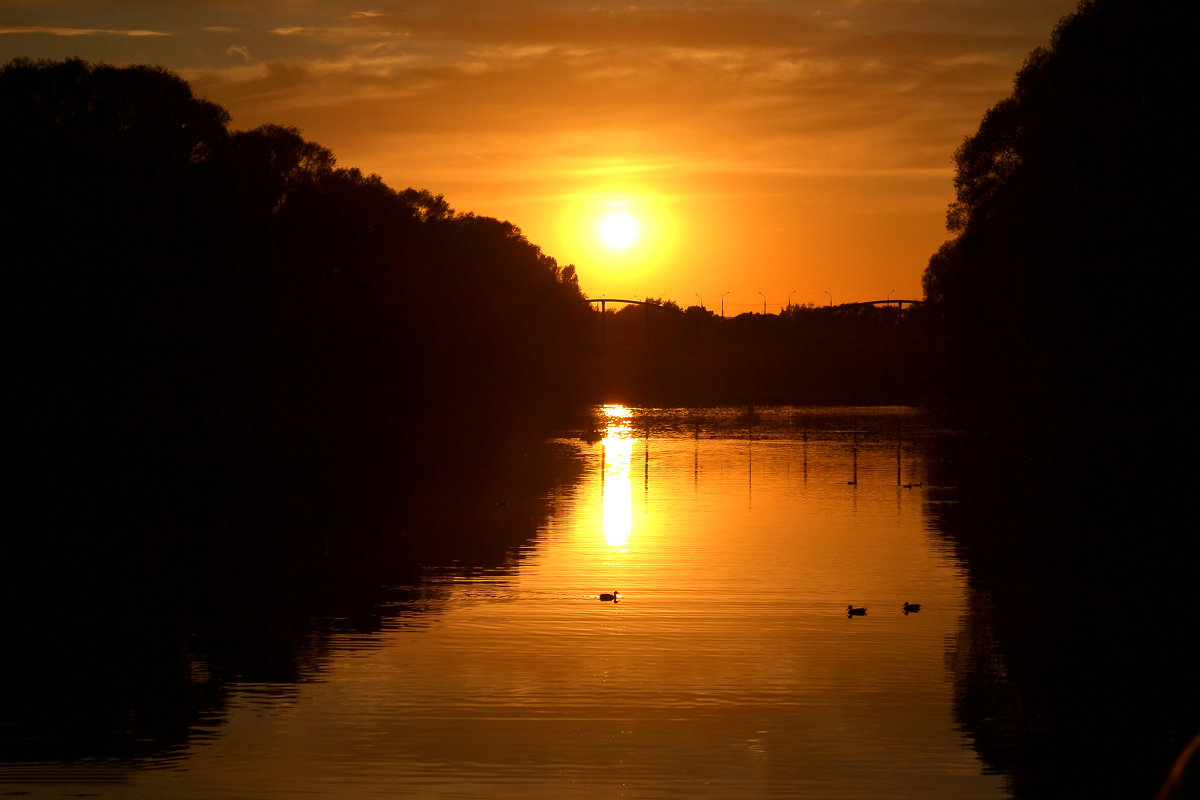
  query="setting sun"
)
[
  {"x": 623, "y": 236},
  {"x": 618, "y": 230}
]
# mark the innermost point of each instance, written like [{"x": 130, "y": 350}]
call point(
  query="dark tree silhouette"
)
[
  {"x": 216, "y": 329},
  {"x": 1062, "y": 300},
  {"x": 1059, "y": 290}
]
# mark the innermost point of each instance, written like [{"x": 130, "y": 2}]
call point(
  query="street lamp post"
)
[
  {"x": 701, "y": 299},
  {"x": 830, "y": 298},
  {"x": 792, "y": 292},
  {"x": 764, "y": 297},
  {"x": 723, "y": 302}
]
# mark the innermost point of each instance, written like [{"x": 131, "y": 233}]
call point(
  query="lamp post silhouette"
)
[
  {"x": 701, "y": 299},
  {"x": 764, "y": 297},
  {"x": 830, "y": 298},
  {"x": 792, "y": 292},
  {"x": 723, "y": 302}
]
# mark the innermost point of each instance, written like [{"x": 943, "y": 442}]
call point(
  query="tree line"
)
[
  {"x": 1061, "y": 291},
  {"x": 204, "y": 317},
  {"x": 1067, "y": 324},
  {"x": 226, "y": 352},
  {"x": 657, "y": 353},
  {"x": 207, "y": 321},
  {"x": 247, "y": 386}
]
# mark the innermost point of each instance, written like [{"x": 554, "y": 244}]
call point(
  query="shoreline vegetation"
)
[
  {"x": 221, "y": 332},
  {"x": 233, "y": 357},
  {"x": 220, "y": 324},
  {"x": 226, "y": 335},
  {"x": 210, "y": 317}
]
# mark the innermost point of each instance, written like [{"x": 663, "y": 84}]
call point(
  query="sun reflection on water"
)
[{"x": 617, "y": 486}]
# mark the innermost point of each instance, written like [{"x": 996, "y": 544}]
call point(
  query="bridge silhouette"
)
[
  {"x": 604, "y": 301},
  {"x": 898, "y": 303}
]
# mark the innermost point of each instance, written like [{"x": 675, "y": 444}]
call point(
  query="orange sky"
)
[{"x": 767, "y": 149}]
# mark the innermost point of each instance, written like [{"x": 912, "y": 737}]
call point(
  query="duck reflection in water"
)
[
  {"x": 911, "y": 608},
  {"x": 851, "y": 611},
  {"x": 614, "y": 597}
]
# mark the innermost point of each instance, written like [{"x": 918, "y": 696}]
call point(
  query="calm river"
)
[{"x": 729, "y": 667}]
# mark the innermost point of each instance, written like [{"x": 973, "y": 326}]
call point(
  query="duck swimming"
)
[
  {"x": 851, "y": 611},
  {"x": 614, "y": 597},
  {"x": 911, "y": 608}
]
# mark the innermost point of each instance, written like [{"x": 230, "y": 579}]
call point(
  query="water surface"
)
[{"x": 728, "y": 668}]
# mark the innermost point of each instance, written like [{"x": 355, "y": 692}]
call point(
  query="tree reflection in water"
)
[
  {"x": 1073, "y": 671},
  {"x": 125, "y": 656},
  {"x": 1071, "y": 668}
]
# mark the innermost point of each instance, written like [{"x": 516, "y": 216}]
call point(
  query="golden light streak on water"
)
[{"x": 617, "y": 493}]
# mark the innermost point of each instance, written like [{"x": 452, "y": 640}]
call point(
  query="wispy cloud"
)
[
  {"x": 46, "y": 30},
  {"x": 884, "y": 100}
]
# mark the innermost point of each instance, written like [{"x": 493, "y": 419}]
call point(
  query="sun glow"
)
[
  {"x": 625, "y": 233},
  {"x": 618, "y": 230},
  {"x": 616, "y": 478}
]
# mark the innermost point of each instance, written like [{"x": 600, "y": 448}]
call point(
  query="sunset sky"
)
[{"x": 760, "y": 151}]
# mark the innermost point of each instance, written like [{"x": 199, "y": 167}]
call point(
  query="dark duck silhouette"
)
[
  {"x": 851, "y": 611},
  {"x": 614, "y": 597},
  {"x": 911, "y": 608}
]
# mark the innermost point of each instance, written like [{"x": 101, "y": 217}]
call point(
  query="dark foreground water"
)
[{"x": 729, "y": 667}]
